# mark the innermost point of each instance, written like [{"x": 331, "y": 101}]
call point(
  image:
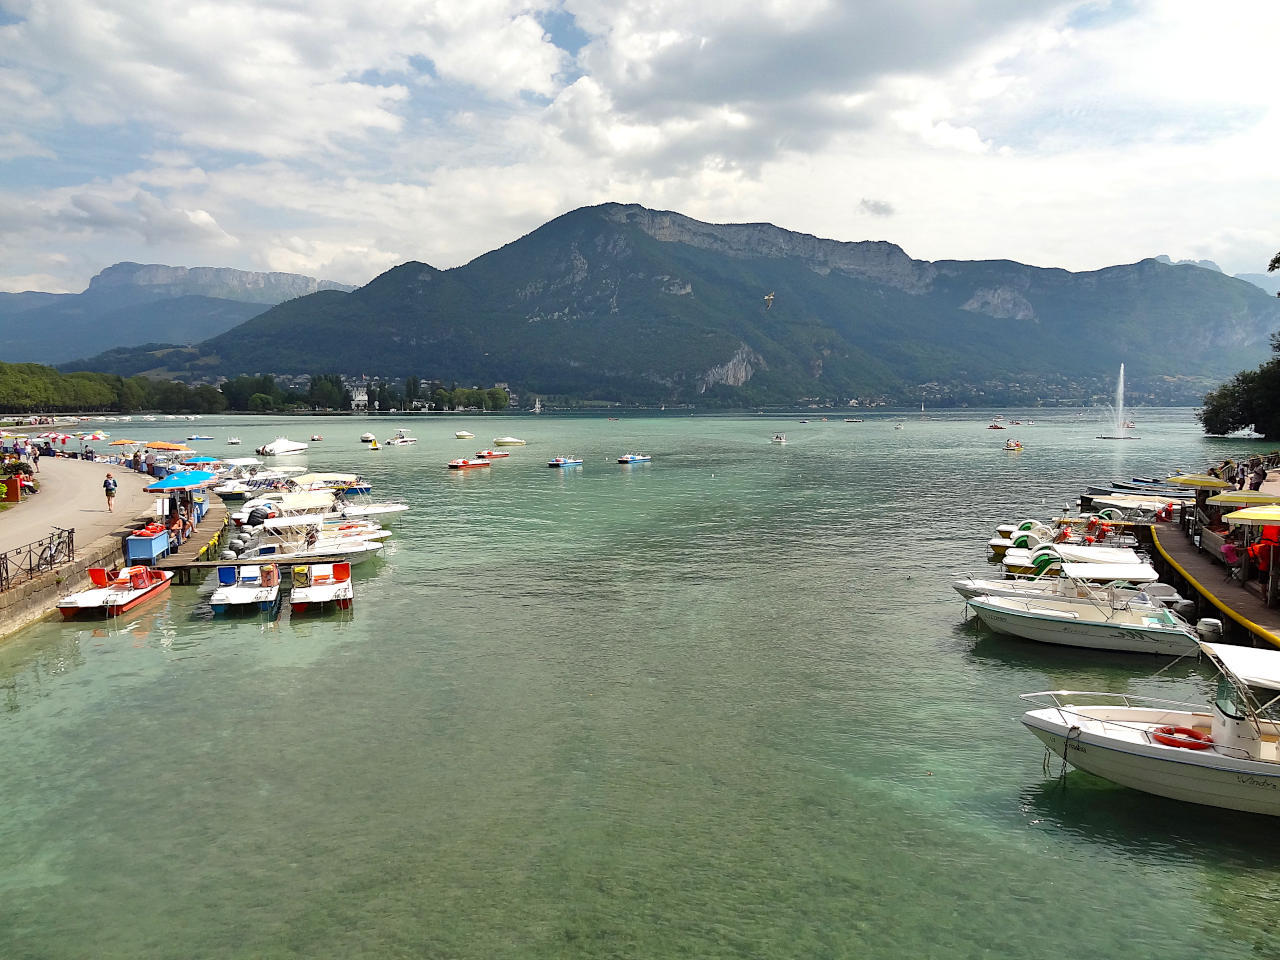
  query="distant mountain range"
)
[
  {"x": 131, "y": 304},
  {"x": 1269, "y": 282},
  {"x": 619, "y": 302}
]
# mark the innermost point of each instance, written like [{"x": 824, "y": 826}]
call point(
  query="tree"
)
[
  {"x": 496, "y": 399},
  {"x": 261, "y": 403}
]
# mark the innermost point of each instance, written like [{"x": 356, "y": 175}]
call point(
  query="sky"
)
[{"x": 337, "y": 138}]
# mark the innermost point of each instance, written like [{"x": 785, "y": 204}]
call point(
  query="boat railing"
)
[{"x": 1074, "y": 701}]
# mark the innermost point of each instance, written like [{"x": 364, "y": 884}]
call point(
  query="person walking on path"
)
[
  {"x": 109, "y": 488},
  {"x": 35, "y": 458}
]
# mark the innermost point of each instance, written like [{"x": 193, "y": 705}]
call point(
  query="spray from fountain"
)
[{"x": 1120, "y": 422}]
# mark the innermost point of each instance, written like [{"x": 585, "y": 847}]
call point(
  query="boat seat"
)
[
  {"x": 226, "y": 576},
  {"x": 98, "y": 576},
  {"x": 342, "y": 571},
  {"x": 250, "y": 574}
]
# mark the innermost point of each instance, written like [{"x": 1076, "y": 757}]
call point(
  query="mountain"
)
[
  {"x": 1269, "y": 282},
  {"x": 624, "y": 303},
  {"x": 130, "y": 304}
]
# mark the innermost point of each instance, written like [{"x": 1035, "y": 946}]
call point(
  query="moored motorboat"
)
[
  {"x": 199, "y": 436},
  {"x": 368, "y": 438},
  {"x": 281, "y": 447},
  {"x": 113, "y": 593},
  {"x": 508, "y": 442},
  {"x": 466, "y": 463},
  {"x": 233, "y": 441},
  {"x": 1097, "y": 624},
  {"x": 634, "y": 458},
  {"x": 400, "y": 439},
  {"x": 491, "y": 454},
  {"x": 996, "y": 426},
  {"x": 565, "y": 462},
  {"x": 315, "y": 438},
  {"x": 319, "y": 585},
  {"x": 1224, "y": 754},
  {"x": 464, "y": 435}
]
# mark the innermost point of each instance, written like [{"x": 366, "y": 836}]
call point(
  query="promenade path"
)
[{"x": 71, "y": 496}]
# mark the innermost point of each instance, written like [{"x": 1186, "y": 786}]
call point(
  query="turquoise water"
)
[{"x": 720, "y": 705}]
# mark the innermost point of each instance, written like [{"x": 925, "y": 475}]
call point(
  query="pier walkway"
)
[
  {"x": 204, "y": 546},
  {"x": 1243, "y": 603}
]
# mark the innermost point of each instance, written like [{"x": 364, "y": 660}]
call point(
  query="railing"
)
[{"x": 27, "y": 562}]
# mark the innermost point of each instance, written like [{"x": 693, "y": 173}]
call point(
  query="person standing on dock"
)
[
  {"x": 1242, "y": 473},
  {"x": 109, "y": 488},
  {"x": 1257, "y": 477}
]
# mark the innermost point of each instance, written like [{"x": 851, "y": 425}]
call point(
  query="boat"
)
[
  {"x": 368, "y": 438},
  {"x": 634, "y": 458},
  {"x": 897, "y": 426},
  {"x": 401, "y": 439},
  {"x": 281, "y": 447},
  {"x": 1046, "y": 557},
  {"x": 492, "y": 454},
  {"x": 464, "y": 435},
  {"x": 344, "y": 483},
  {"x": 199, "y": 436},
  {"x": 1012, "y": 444},
  {"x": 508, "y": 442},
  {"x": 233, "y": 441},
  {"x": 996, "y": 426},
  {"x": 113, "y": 593},
  {"x": 465, "y": 463},
  {"x": 1130, "y": 626},
  {"x": 319, "y": 585},
  {"x": 565, "y": 462},
  {"x": 1225, "y": 754},
  {"x": 251, "y": 587},
  {"x": 779, "y": 438},
  {"x": 315, "y": 438},
  {"x": 852, "y": 419},
  {"x": 537, "y": 405},
  {"x": 1063, "y": 585}
]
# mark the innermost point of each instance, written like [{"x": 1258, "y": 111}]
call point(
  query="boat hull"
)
[
  {"x": 109, "y": 605},
  {"x": 1063, "y": 631},
  {"x": 1192, "y": 776}
]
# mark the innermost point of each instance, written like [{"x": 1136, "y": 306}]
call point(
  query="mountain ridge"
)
[{"x": 617, "y": 301}]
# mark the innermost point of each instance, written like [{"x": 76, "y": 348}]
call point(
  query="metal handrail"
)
[{"x": 35, "y": 558}]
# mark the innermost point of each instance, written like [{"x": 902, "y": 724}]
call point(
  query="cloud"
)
[
  {"x": 877, "y": 208},
  {"x": 146, "y": 215}
]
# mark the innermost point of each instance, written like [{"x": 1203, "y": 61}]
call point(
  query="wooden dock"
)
[
  {"x": 197, "y": 549},
  {"x": 1244, "y": 604}
]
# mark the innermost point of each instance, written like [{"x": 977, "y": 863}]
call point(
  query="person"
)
[
  {"x": 1257, "y": 477},
  {"x": 35, "y": 458},
  {"x": 109, "y": 488},
  {"x": 1242, "y": 474}
]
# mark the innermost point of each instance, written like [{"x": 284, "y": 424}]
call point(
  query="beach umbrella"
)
[
  {"x": 187, "y": 480},
  {"x": 1264, "y": 516},
  {"x": 191, "y": 460},
  {"x": 1243, "y": 498},
  {"x": 172, "y": 447},
  {"x": 1201, "y": 481},
  {"x": 124, "y": 443}
]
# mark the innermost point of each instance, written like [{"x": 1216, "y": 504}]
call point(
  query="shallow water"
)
[{"x": 720, "y": 705}]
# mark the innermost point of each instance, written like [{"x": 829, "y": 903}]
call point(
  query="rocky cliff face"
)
[
  {"x": 882, "y": 262},
  {"x": 221, "y": 282}
]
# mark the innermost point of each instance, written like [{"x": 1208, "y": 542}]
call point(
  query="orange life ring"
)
[{"x": 1182, "y": 737}]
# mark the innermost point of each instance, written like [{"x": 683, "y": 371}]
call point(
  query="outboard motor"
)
[
  {"x": 257, "y": 516},
  {"x": 1185, "y": 609},
  {"x": 227, "y": 555},
  {"x": 1210, "y": 630}
]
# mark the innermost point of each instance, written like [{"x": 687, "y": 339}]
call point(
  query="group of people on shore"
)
[{"x": 1252, "y": 472}]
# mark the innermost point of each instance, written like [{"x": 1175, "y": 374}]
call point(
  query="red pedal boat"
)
[{"x": 113, "y": 594}]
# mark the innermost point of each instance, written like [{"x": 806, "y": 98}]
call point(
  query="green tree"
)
[
  {"x": 261, "y": 403},
  {"x": 496, "y": 399}
]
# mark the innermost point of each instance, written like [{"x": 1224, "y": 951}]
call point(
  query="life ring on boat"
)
[
  {"x": 1165, "y": 513},
  {"x": 1187, "y": 737}
]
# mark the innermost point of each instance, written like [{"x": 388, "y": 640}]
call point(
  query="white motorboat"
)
[
  {"x": 634, "y": 458},
  {"x": 1065, "y": 586},
  {"x": 1097, "y": 624},
  {"x": 779, "y": 438},
  {"x": 1222, "y": 755},
  {"x": 233, "y": 441},
  {"x": 368, "y": 438},
  {"x": 281, "y": 447},
  {"x": 400, "y": 439},
  {"x": 320, "y": 584},
  {"x": 252, "y": 587},
  {"x": 113, "y": 593},
  {"x": 464, "y": 435},
  {"x": 508, "y": 442}
]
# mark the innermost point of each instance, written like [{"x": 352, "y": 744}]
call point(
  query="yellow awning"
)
[
  {"x": 1243, "y": 498},
  {"x": 1201, "y": 481},
  {"x": 1267, "y": 516}
]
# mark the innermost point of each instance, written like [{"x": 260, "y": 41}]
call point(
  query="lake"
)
[{"x": 724, "y": 704}]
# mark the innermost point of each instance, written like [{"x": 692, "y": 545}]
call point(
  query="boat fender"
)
[{"x": 1186, "y": 737}]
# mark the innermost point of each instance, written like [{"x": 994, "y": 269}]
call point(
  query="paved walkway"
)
[{"x": 71, "y": 496}]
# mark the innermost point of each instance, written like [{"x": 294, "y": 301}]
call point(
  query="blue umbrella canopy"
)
[
  {"x": 186, "y": 480},
  {"x": 201, "y": 460}
]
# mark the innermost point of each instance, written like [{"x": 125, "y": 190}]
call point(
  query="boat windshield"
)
[{"x": 1233, "y": 705}]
